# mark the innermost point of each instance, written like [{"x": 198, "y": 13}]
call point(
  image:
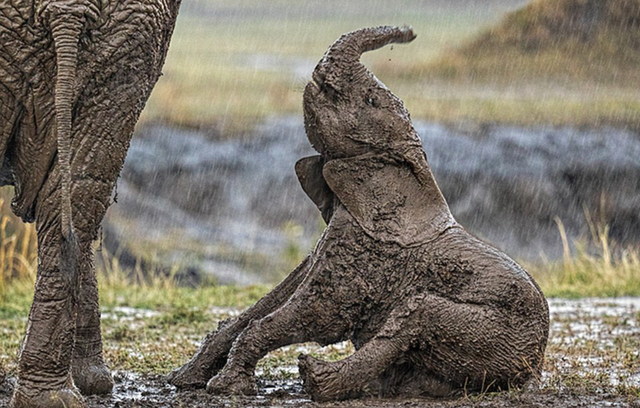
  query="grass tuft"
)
[
  {"x": 18, "y": 251},
  {"x": 595, "y": 268}
]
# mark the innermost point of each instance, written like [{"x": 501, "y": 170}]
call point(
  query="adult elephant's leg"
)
[
  {"x": 90, "y": 373},
  {"x": 212, "y": 354},
  {"x": 43, "y": 370},
  {"x": 100, "y": 151}
]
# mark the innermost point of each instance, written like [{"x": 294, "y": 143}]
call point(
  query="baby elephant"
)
[{"x": 430, "y": 309}]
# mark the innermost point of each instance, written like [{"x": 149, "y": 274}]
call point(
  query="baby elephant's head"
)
[{"x": 347, "y": 110}]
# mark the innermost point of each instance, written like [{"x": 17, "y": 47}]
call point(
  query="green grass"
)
[
  {"x": 154, "y": 327},
  {"x": 451, "y": 72},
  {"x": 148, "y": 326}
]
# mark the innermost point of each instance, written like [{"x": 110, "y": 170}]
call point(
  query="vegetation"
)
[
  {"x": 139, "y": 309},
  {"x": 597, "y": 268},
  {"x": 553, "y": 61},
  {"x": 559, "y": 40},
  {"x": 231, "y": 64}
]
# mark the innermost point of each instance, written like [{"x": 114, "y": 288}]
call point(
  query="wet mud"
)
[
  {"x": 147, "y": 391},
  {"x": 593, "y": 360}
]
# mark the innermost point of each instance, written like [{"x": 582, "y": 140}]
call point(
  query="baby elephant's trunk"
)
[
  {"x": 352, "y": 45},
  {"x": 341, "y": 63}
]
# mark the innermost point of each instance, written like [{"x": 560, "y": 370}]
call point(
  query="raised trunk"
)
[
  {"x": 354, "y": 44},
  {"x": 341, "y": 63}
]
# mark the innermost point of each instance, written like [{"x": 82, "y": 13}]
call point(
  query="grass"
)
[
  {"x": 232, "y": 64},
  {"x": 562, "y": 40},
  {"x": 597, "y": 268},
  {"x": 18, "y": 255},
  {"x": 151, "y": 323},
  {"x": 255, "y": 59},
  {"x": 553, "y": 61}
]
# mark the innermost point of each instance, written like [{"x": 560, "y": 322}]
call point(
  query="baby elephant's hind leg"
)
[
  {"x": 349, "y": 378},
  {"x": 467, "y": 347}
]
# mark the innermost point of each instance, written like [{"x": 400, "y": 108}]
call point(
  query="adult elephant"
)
[{"x": 74, "y": 77}]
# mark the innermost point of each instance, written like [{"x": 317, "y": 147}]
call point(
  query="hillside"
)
[{"x": 568, "y": 40}]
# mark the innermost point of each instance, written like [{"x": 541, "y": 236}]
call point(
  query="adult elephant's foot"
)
[
  {"x": 24, "y": 397},
  {"x": 188, "y": 376},
  {"x": 92, "y": 376},
  {"x": 232, "y": 384},
  {"x": 322, "y": 380}
]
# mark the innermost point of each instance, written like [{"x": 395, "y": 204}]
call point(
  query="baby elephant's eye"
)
[{"x": 371, "y": 101}]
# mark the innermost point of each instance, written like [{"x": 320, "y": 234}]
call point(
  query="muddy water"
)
[
  {"x": 233, "y": 209},
  {"x": 593, "y": 360}
]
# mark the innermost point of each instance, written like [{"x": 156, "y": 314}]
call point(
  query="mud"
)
[
  {"x": 151, "y": 391},
  {"x": 588, "y": 337}
]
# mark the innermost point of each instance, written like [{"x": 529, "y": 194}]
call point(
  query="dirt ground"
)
[
  {"x": 593, "y": 360},
  {"x": 148, "y": 391}
]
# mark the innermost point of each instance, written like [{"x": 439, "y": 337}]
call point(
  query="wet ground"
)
[{"x": 593, "y": 360}]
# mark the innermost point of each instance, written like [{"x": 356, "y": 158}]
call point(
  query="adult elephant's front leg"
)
[{"x": 44, "y": 379}]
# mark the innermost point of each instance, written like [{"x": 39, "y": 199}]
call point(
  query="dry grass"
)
[
  {"x": 18, "y": 249},
  {"x": 560, "y": 40},
  {"x": 597, "y": 267}
]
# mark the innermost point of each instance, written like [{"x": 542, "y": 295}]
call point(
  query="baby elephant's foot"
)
[
  {"x": 323, "y": 381},
  {"x": 92, "y": 376},
  {"x": 62, "y": 398},
  {"x": 188, "y": 377},
  {"x": 232, "y": 384}
]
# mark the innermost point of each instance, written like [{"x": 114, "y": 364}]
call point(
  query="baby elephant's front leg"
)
[
  {"x": 293, "y": 323},
  {"x": 213, "y": 352},
  {"x": 259, "y": 337}
]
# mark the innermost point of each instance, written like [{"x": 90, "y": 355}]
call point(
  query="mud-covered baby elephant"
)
[{"x": 430, "y": 309}]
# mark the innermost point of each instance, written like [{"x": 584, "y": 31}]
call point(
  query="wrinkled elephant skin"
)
[
  {"x": 430, "y": 309},
  {"x": 74, "y": 77}
]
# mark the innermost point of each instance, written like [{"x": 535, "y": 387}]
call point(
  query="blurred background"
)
[{"x": 529, "y": 113}]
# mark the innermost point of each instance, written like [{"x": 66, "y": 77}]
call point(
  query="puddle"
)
[
  {"x": 594, "y": 343},
  {"x": 592, "y": 358},
  {"x": 124, "y": 313}
]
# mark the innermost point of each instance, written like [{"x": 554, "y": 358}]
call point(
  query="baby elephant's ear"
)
[
  {"x": 388, "y": 200},
  {"x": 309, "y": 172}
]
